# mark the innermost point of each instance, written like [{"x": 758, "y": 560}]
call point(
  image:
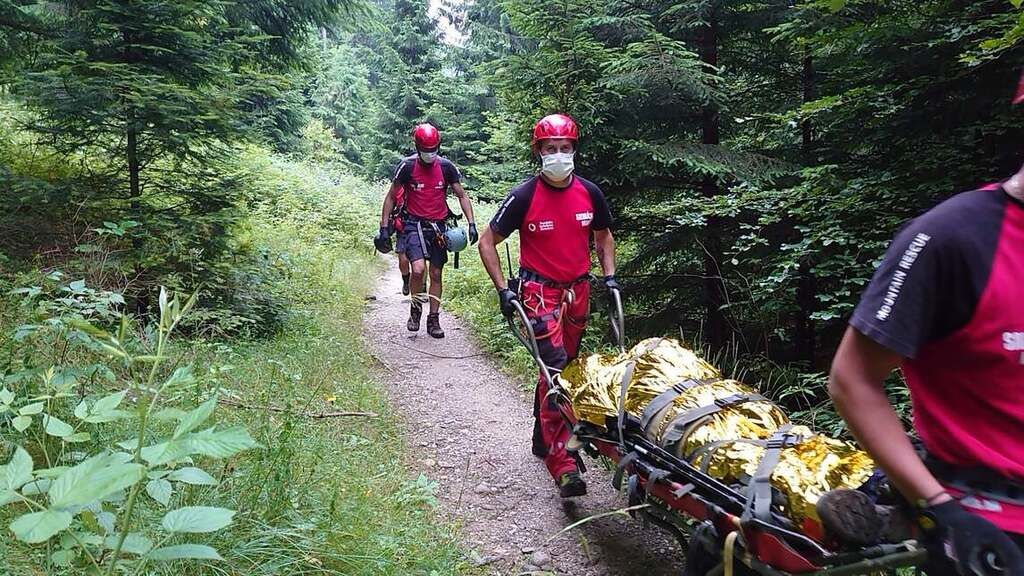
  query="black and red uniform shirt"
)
[
  {"x": 948, "y": 297},
  {"x": 426, "y": 186},
  {"x": 554, "y": 225}
]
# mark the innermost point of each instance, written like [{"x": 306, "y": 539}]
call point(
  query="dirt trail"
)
[{"x": 469, "y": 428}]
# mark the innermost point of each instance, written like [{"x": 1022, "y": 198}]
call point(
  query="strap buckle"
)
[
  {"x": 728, "y": 400},
  {"x": 778, "y": 442}
]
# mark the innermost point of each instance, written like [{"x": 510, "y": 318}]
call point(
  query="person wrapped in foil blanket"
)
[{"x": 717, "y": 424}]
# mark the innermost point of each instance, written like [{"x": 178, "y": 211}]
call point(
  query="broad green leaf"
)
[
  {"x": 166, "y": 452},
  {"x": 181, "y": 377},
  {"x": 197, "y": 519},
  {"x": 221, "y": 443},
  {"x": 159, "y": 490},
  {"x": 39, "y": 527},
  {"x": 6, "y": 396},
  {"x": 31, "y": 409},
  {"x": 184, "y": 552},
  {"x": 82, "y": 410},
  {"x": 108, "y": 416},
  {"x": 78, "y": 437},
  {"x": 17, "y": 472},
  {"x": 108, "y": 403},
  {"x": 56, "y": 427},
  {"x": 40, "y": 486},
  {"x": 54, "y": 472},
  {"x": 134, "y": 543},
  {"x": 21, "y": 423},
  {"x": 93, "y": 479},
  {"x": 106, "y": 521},
  {"x": 64, "y": 558},
  {"x": 196, "y": 417},
  {"x": 193, "y": 475},
  {"x": 168, "y": 414}
]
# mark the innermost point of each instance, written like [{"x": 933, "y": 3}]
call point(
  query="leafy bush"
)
[{"x": 74, "y": 479}]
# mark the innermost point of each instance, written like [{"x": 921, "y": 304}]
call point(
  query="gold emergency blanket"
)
[{"x": 804, "y": 472}]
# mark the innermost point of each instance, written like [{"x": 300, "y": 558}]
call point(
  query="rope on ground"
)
[
  {"x": 440, "y": 355},
  {"x": 233, "y": 403}
]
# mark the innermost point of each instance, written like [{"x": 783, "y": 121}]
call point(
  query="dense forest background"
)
[{"x": 758, "y": 156}]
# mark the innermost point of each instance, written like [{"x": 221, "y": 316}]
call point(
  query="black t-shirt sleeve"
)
[
  {"x": 932, "y": 276},
  {"x": 512, "y": 211},
  {"x": 450, "y": 171},
  {"x": 403, "y": 174},
  {"x": 602, "y": 215}
]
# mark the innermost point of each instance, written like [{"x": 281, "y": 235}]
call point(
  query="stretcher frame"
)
[{"x": 680, "y": 497}]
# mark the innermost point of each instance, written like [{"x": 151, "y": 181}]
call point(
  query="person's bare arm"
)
[
  {"x": 859, "y": 370},
  {"x": 467, "y": 206},
  {"x": 605, "y": 245},
  {"x": 488, "y": 247},
  {"x": 389, "y": 205}
]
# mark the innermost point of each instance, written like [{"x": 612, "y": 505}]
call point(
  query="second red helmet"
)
[
  {"x": 554, "y": 126},
  {"x": 426, "y": 136}
]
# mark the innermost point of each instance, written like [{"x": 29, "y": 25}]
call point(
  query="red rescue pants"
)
[{"x": 559, "y": 316}]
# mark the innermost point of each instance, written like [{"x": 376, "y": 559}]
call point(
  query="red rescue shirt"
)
[
  {"x": 554, "y": 225},
  {"x": 426, "y": 186},
  {"x": 948, "y": 298}
]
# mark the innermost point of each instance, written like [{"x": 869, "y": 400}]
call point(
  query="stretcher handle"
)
[
  {"x": 618, "y": 319},
  {"x": 528, "y": 338}
]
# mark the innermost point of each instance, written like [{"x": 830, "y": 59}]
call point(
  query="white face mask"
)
[
  {"x": 428, "y": 157},
  {"x": 557, "y": 166}
]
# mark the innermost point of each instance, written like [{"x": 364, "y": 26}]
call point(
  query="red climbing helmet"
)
[
  {"x": 1019, "y": 97},
  {"x": 554, "y": 126},
  {"x": 426, "y": 136}
]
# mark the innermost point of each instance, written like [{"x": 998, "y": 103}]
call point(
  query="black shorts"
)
[{"x": 436, "y": 253}]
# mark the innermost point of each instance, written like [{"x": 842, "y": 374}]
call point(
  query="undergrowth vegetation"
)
[{"x": 145, "y": 443}]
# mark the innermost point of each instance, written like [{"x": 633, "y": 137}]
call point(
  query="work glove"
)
[
  {"x": 473, "y": 235},
  {"x": 506, "y": 298},
  {"x": 611, "y": 283},
  {"x": 382, "y": 241},
  {"x": 978, "y": 547}
]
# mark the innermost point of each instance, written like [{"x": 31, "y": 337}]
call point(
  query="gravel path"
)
[{"x": 469, "y": 427}]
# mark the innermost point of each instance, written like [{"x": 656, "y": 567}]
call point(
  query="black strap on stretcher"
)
[
  {"x": 676, "y": 431},
  {"x": 664, "y": 400},
  {"x": 759, "y": 492}
]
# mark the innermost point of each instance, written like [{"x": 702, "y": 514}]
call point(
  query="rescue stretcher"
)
[{"x": 715, "y": 522}]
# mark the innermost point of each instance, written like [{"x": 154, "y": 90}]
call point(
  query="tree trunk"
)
[
  {"x": 806, "y": 287},
  {"x": 714, "y": 287}
]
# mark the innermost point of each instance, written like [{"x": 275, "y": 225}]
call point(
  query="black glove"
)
[
  {"x": 611, "y": 283},
  {"x": 382, "y": 241},
  {"x": 473, "y": 235},
  {"x": 979, "y": 547},
  {"x": 505, "y": 299}
]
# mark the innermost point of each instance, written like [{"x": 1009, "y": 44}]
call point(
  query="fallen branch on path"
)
[{"x": 228, "y": 402}]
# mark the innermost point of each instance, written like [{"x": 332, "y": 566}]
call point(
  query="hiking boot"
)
[
  {"x": 415, "y": 312},
  {"x": 434, "y": 326},
  {"x": 850, "y": 517},
  {"x": 571, "y": 484},
  {"x": 405, "y": 284}
]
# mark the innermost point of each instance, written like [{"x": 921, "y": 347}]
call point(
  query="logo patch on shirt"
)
[
  {"x": 899, "y": 277},
  {"x": 547, "y": 225},
  {"x": 584, "y": 218},
  {"x": 1014, "y": 342}
]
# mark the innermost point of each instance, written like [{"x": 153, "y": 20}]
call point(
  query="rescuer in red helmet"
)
[
  {"x": 946, "y": 307},
  {"x": 556, "y": 213},
  {"x": 424, "y": 179}
]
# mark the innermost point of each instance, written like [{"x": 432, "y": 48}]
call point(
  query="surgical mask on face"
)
[
  {"x": 428, "y": 157},
  {"x": 557, "y": 166}
]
